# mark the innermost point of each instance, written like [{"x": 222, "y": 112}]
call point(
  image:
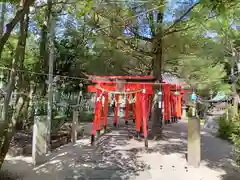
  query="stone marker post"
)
[
  {"x": 40, "y": 139},
  {"x": 74, "y": 126},
  {"x": 120, "y": 88},
  {"x": 184, "y": 112},
  {"x": 194, "y": 137}
]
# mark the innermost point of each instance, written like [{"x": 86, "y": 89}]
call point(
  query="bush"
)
[
  {"x": 229, "y": 128},
  {"x": 60, "y": 119},
  {"x": 236, "y": 136},
  {"x": 57, "y": 122},
  {"x": 236, "y": 125},
  {"x": 86, "y": 116},
  {"x": 225, "y": 128},
  {"x": 236, "y": 141}
]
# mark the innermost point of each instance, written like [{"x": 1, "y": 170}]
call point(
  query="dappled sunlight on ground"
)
[{"x": 117, "y": 156}]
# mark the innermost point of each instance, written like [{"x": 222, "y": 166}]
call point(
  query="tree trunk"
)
[
  {"x": 234, "y": 84},
  {"x": 10, "y": 26},
  {"x": 8, "y": 129},
  {"x": 44, "y": 54},
  {"x": 51, "y": 26},
  {"x": 20, "y": 57},
  {"x": 157, "y": 73},
  {"x": 2, "y": 18},
  {"x": 235, "y": 99},
  {"x": 30, "y": 109}
]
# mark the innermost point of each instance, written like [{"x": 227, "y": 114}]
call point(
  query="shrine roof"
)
[
  {"x": 170, "y": 78},
  {"x": 220, "y": 97}
]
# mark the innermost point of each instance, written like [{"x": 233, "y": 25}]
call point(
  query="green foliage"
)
[
  {"x": 229, "y": 129},
  {"x": 57, "y": 122},
  {"x": 225, "y": 128},
  {"x": 60, "y": 119},
  {"x": 236, "y": 140},
  {"x": 86, "y": 116},
  {"x": 220, "y": 6},
  {"x": 10, "y": 1},
  {"x": 236, "y": 125},
  {"x": 200, "y": 73},
  {"x": 236, "y": 136}
]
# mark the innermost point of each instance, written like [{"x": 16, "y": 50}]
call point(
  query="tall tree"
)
[
  {"x": 10, "y": 26},
  {"x": 2, "y": 19},
  {"x": 8, "y": 128}
]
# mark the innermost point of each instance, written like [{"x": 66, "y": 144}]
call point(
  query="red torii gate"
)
[{"x": 141, "y": 87}]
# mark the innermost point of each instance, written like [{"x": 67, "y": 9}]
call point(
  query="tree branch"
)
[
  {"x": 166, "y": 33},
  {"x": 141, "y": 51},
  {"x": 178, "y": 30},
  {"x": 135, "y": 48},
  {"x": 56, "y": 3},
  {"x": 151, "y": 23},
  {"x": 182, "y": 16},
  {"x": 10, "y": 26},
  {"x": 138, "y": 36}
]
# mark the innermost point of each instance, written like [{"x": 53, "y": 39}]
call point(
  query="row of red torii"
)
[{"x": 141, "y": 88}]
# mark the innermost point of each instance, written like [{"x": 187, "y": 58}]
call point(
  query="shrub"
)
[
  {"x": 235, "y": 121},
  {"x": 236, "y": 141},
  {"x": 236, "y": 136},
  {"x": 60, "y": 119},
  {"x": 86, "y": 116},
  {"x": 225, "y": 128},
  {"x": 229, "y": 128}
]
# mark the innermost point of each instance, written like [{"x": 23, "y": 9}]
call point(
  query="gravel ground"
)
[{"x": 116, "y": 156}]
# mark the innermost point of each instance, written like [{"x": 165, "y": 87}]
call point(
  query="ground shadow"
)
[
  {"x": 106, "y": 160},
  {"x": 117, "y": 156}
]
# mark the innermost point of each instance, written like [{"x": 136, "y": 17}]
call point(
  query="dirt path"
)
[{"x": 118, "y": 157}]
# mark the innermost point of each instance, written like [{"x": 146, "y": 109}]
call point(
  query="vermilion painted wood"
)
[
  {"x": 127, "y": 107},
  {"x": 94, "y": 128},
  {"x": 150, "y": 104},
  {"x": 172, "y": 103},
  {"x": 116, "y": 108},
  {"x": 138, "y": 111},
  {"x": 105, "y": 109},
  {"x": 179, "y": 106},
  {"x": 99, "y": 112},
  {"x": 144, "y": 114},
  {"x": 168, "y": 116},
  {"x": 166, "y": 101}
]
